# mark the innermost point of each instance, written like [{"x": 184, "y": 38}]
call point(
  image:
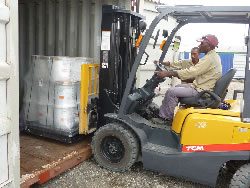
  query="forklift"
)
[{"x": 203, "y": 138}]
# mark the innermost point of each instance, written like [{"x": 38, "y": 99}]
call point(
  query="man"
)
[
  {"x": 183, "y": 64},
  {"x": 205, "y": 73}
]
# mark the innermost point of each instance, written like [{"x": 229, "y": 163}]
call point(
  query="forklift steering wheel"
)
[{"x": 160, "y": 67}]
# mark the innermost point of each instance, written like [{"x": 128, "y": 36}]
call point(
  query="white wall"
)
[{"x": 9, "y": 108}]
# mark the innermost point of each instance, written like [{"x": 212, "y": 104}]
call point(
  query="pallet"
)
[{"x": 43, "y": 159}]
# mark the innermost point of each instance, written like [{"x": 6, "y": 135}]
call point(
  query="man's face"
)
[
  {"x": 204, "y": 47},
  {"x": 195, "y": 55}
]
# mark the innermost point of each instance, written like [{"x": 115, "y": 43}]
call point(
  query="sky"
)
[{"x": 231, "y": 36}]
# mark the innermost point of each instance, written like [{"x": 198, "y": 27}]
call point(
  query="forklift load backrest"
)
[{"x": 210, "y": 99}]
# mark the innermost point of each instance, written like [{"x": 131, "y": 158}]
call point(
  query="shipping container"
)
[{"x": 54, "y": 28}]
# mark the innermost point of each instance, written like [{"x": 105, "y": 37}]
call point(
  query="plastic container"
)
[
  {"x": 66, "y": 119},
  {"x": 66, "y": 94}
]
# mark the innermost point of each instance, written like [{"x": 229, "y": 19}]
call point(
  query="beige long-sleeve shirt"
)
[
  {"x": 206, "y": 72},
  {"x": 182, "y": 64}
]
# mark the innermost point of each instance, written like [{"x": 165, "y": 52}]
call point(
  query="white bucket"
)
[
  {"x": 66, "y": 69},
  {"x": 66, "y": 119},
  {"x": 61, "y": 69},
  {"x": 66, "y": 94}
]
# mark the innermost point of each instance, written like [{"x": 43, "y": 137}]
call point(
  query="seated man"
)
[
  {"x": 184, "y": 64},
  {"x": 205, "y": 73}
]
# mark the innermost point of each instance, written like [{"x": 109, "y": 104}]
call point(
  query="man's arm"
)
[
  {"x": 191, "y": 80},
  {"x": 163, "y": 74},
  {"x": 181, "y": 64},
  {"x": 200, "y": 68}
]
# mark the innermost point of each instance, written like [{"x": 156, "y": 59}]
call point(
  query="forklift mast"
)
[{"x": 120, "y": 29}]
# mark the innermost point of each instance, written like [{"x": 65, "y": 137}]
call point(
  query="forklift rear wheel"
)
[
  {"x": 115, "y": 147},
  {"x": 241, "y": 178}
]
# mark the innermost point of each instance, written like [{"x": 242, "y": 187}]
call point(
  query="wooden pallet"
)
[{"x": 43, "y": 159}]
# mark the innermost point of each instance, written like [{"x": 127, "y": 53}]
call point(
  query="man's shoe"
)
[{"x": 161, "y": 121}]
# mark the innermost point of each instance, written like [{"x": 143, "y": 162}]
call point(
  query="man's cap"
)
[{"x": 211, "y": 39}]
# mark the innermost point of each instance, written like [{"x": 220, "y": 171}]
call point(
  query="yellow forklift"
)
[{"x": 203, "y": 138}]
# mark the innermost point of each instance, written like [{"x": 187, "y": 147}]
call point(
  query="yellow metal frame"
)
[
  {"x": 86, "y": 91},
  {"x": 182, "y": 113},
  {"x": 211, "y": 126}
]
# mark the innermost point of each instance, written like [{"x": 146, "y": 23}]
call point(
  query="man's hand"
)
[
  {"x": 163, "y": 74},
  {"x": 163, "y": 63}
]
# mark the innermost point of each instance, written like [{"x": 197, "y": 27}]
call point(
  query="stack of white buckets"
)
[{"x": 52, "y": 95}]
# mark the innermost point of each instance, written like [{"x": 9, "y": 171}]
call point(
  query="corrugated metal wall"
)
[
  {"x": 54, "y": 27},
  {"x": 60, "y": 28}
]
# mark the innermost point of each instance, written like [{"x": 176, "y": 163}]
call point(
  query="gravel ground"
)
[{"x": 90, "y": 175}]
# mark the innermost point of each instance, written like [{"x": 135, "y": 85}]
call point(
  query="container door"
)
[
  {"x": 239, "y": 63},
  {"x": 9, "y": 145},
  {"x": 246, "y": 94}
]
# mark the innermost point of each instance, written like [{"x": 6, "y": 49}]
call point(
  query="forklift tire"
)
[
  {"x": 115, "y": 147},
  {"x": 241, "y": 178}
]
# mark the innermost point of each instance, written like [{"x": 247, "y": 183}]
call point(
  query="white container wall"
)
[
  {"x": 239, "y": 63},
  {"x": 9, "y": 109}
]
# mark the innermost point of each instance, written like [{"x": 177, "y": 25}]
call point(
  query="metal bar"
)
[
  {"x": 236, "y": 93},
  {"x": 246, "y": 94},
  {"x": 84, "y": 90},
  {"x": 90, "y": 81},
  {"x": 200, "y": 8},
  {"x": 169, "y": 41},
  {"x": 138, "y": 58},
  {"x": 96, "y": 79},
  {"x": 22, "y": 49}
]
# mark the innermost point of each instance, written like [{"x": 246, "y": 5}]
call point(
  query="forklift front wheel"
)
[
  {"x": 115, "y": 147},
  {"x": 241, "y": 178}
]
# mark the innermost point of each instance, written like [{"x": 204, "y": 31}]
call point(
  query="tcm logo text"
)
[{"x": 194, "y": 148}]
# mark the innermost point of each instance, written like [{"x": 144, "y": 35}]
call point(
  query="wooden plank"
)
[
  {"x": 30, "y": 181},
  {"x": 43, "y": 159},
  {"x": 64, "y": 165}
]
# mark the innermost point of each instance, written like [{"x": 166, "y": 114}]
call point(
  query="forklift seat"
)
[{"x": 208, "y": 99}]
